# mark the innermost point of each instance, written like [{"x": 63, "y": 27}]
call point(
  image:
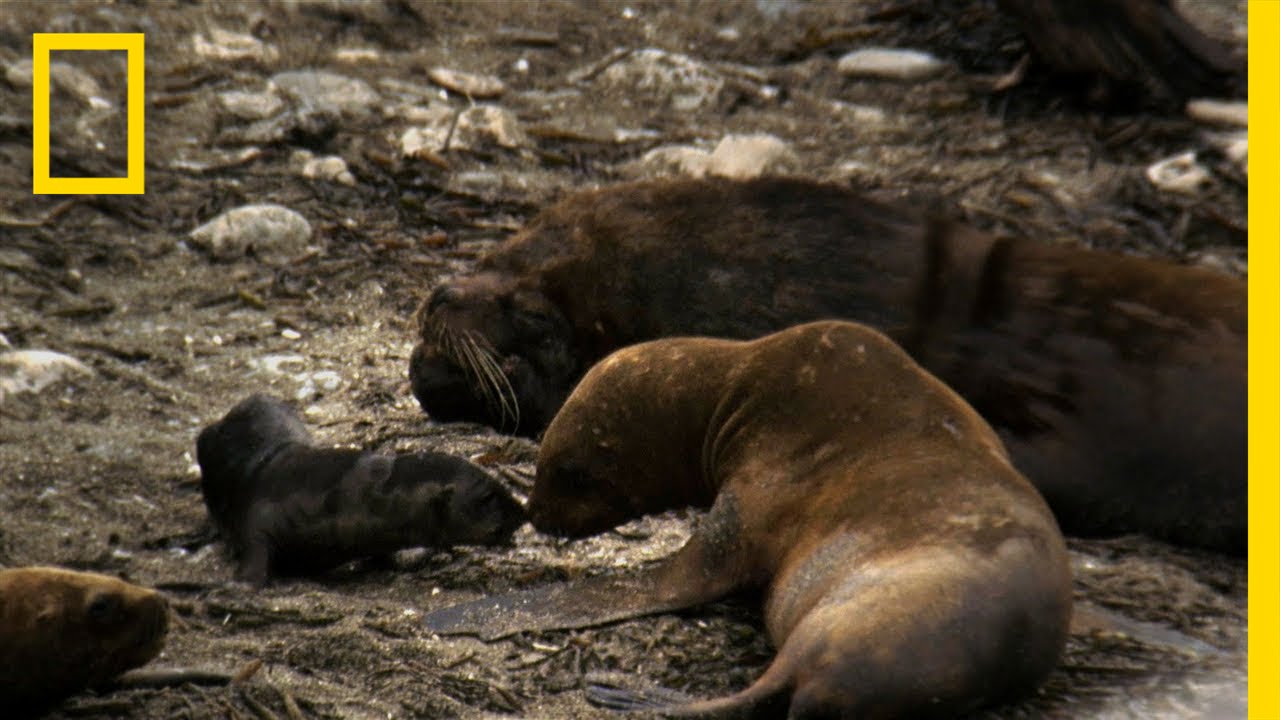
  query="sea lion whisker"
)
[
  {"x": 502, "y": 385},
  {"x": 497, "y": 381},
  {"x": 466, "y": 359}
]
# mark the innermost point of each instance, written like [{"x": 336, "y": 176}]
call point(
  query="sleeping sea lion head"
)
[
  {"x": 64, "y": 630},
  {"x": 231, "y": 450},
  {"x": 493, "y": 350}
]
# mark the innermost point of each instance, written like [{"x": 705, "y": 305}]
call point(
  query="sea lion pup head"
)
[
  {"x": 231, "y": 450},
  {"x": 493, "y": 351},
  {"x": 62, "y": 631},
  {"x": 480, "y": 509}
]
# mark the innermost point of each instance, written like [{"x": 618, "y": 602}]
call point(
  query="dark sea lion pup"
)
[
  {"x": 286, "y": 507},
  {"x": 1116, "y": 383},
  {"x": 908, "y": 570},
  {"x": 62, "y": 631}
]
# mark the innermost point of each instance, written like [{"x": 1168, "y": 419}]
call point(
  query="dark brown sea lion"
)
[
  {"x": 1128, "y": 51},
  {"x": 286, "y": 507},
  {"x": 63, "y": 631},
  {"x": 908, "y": 569},
  {"x": 1117, "y": 383}
]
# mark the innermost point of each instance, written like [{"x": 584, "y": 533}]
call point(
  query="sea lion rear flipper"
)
[
  {"x": 618, "y": 693},
  {"x": 708, "y": 567}
]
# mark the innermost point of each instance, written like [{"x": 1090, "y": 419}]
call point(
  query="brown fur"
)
[
  {"x": 908, "y": 569},
  {"x": 1127, "y": 52},
  {"x": 63, "y": 631},
  {"x": 1117, "y": 383}
]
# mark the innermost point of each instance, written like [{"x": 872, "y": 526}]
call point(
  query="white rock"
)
[
  {"x": 327, "y": 91},
  {"x": 671, "y": 159},
  {"x": 275, "y": 364},
  {"x": 356, "y": 55},
  {"x": 746, "y": 156},
  {"x": 472, "y": 85},
  {"x": 669, "y": 78},
  {"x": 31, "y": 371},
  {"x": 1180, "y": 174},
  {"x": 1219, "y": 112},
  {"x": 251, "y": 105},
  {"x": 890, "y": 64},
  {"x": 860, "y": 114},
  {"x": 63, "y": 75},
  {"x": 274, "y": 232},
  {"x": 219, "y": 44},
  {"x": 477, "y": 127},
  {"x": 330, "y": 167},
  {"x": 1234, "y": 144}
]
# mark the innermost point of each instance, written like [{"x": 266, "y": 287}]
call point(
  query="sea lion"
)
[
  {"x": 1126, "y": 51},
  {"x": 62, "y": 631},
  {"x": 1117, "y": 383},
  {"x": 286, "y": 507},
  {"x": 908, "y": 569}
]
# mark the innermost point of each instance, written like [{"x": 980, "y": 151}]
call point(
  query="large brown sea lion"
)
[
  {"x": 286, "y": 507},
  {"x": 1128, "y": 51},
  {"x": 1117, "y": 383},
  {"x": 909, "y": 570},
  {"x": 63, "y": 631}
]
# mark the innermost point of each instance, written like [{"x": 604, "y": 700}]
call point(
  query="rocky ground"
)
[{"x": 392, "y": 170}]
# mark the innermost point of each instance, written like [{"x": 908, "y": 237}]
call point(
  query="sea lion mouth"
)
[{"x": 479, "y": 373}]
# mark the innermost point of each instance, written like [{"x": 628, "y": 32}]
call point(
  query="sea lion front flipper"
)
[{"x": 708, "y": 567}]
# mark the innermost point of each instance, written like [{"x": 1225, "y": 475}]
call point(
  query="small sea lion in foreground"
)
[
  {"x": 63, "y": 631},
  {"x": 908, "y": 569},
  {"x": 286, "y": 507},
  {"x": 1117, "y": 383}
]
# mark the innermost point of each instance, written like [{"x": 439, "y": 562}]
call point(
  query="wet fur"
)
[
  {"x": 1117, "y": 383},
  {"x": 63, "y": 631},
  {"x": 288, "y": 508}
]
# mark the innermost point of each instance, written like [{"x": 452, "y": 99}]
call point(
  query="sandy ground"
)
[{"x": 97, "y": 471}]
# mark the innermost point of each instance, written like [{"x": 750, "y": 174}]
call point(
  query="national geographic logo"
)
[{"x": 41, "y": 45}]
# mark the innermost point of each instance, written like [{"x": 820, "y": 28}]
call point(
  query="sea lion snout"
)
[
  {"x": 482, "y": 512},
  {"x": 492, "y": 352},
  {"x": 62, "y": 631}
]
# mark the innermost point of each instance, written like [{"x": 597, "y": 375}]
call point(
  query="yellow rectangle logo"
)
[{"x": 41, "y": 44}]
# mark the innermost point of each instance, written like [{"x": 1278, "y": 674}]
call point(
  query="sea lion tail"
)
[{"x": 764, "y": 698}]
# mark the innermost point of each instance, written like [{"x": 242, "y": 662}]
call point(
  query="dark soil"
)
[{"x": 98, "y": 473}]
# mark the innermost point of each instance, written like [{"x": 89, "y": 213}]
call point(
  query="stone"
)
[
  {"x": 1180, "y": 174},
  {"x": 251, "y": 105},
  {"x": 746, "y": 156},
  {"x": 890, "y": 64},
  {"x": 1219, "y": 112},
  {"x": 479, "y": 87},
  {"x": 651, "y": 75},
  {"x": 224, "y": 45},
  {"x": 31, "y": 371},
  {"x": 328, "y": 92},
  {"x": 477, "y": 127},
  {"x": 274, "y": 233}
]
